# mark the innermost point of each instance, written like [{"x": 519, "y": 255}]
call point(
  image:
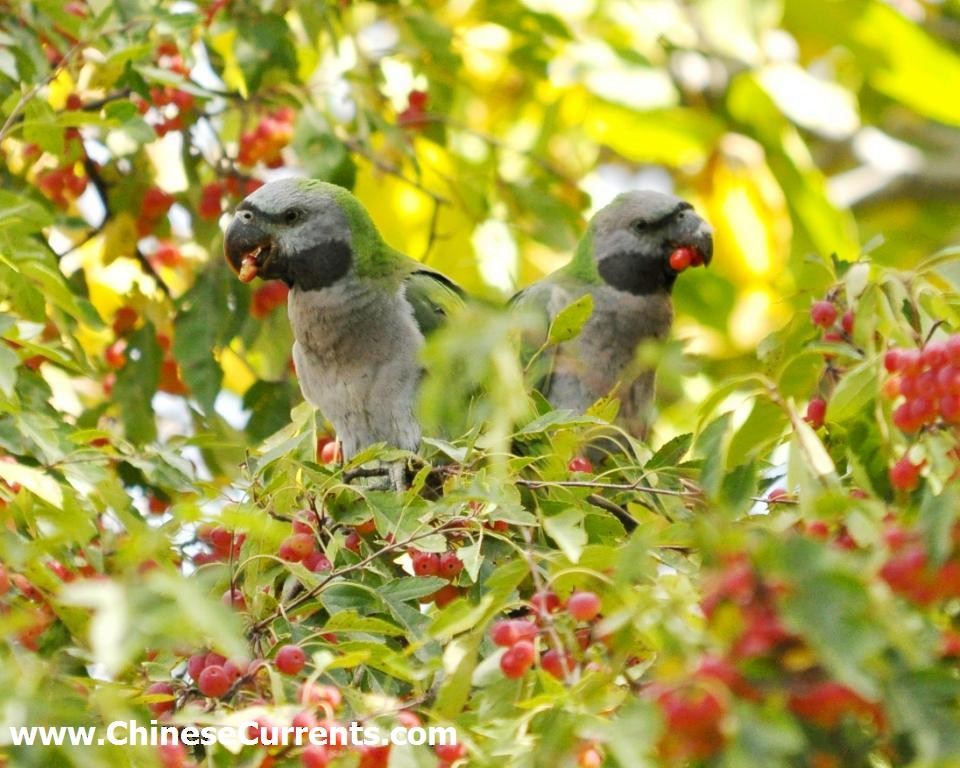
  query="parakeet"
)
[
  {"x": 623, "y": 261},
  {"x": 358, "y": 308}
]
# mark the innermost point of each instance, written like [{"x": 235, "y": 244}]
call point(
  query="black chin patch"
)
[
  {"x": 636, "y": 273},
  {"x": 317, "y": 267}
]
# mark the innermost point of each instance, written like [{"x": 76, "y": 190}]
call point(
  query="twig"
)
[
  {"x": 604, "y": 486},
  {"x": 629, "y": 523}
]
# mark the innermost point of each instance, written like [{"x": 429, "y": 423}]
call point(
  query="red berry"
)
[
  {"x": 545, "y": 602},
  {"x": 426, "y": 563},
  {"x": 124, "y": 320},
  {"x": 558, "y": 664},
  {"x": 950, "y": 408},
  {"x": 823, "y": 313},
  {"x": 903, "y": 418},
  {"x": 517, "y": 659},
  {"x": 235, "y": 599},
  {"x": 296, "y": 547},
  {"x": 905, "y": 475},
  {"x": 910, "y": 361},
  {"x": 952, "y": 346},
  {"x": 580, "y": 464},
  {"x": 162, "y": 706},
  {"x": 450, "y": 565},
  {"x": 816, "y": 411},
  {"x": 213, "y": 682},
  {"x": 892, "y": 360},
  {"x": 268, "y": 297},
  {"x": 588, "y": 756},
  {"x": 444, "y": 596},
  {"x": 681, "y": 258},
  {"x": 313, "y": 694},
  {"x": 315, "y": 756},
  {"x": 330, "y": 453},
  {"x": 195, "y": 665},
  {"x": 317, "y": 562},
  {"x": 209, "y": 205},
  {"x": 583, "y": 606},
  {"x": 418, "y": 99},
  {"x": 934, "y": 355},
  {"x": 290, "y": 659},
  {"x": 450, "y": 752},
  {"x": 778, "y": 495},
  {"x": 166, "y": 255},
  {"x": 508, "y": 632},
  {"x": 114, "y": 354},
  {"x": 847, "y": 321},
  {"x": 352, "y": 541},
  {"x": 948, "y": 380}
]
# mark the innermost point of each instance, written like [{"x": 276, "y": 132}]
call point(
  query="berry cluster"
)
[
  {"x": 65, "y": 183},
  {"x": 153, "y": 208},
  {"x": 928, "y": 379},
  {"x": 910, "y": 573},
  {"x": 519, "y": 636},
  {"x": 168, "y": 108},
  {"x": 824, "y": 315},
  {"x": 223, "y": 543},
  {"x": 742, "y": 611},
  {"x": 230, "y": 190},
  {"x": 166, "y": 254},
  {"x": 264, "y": 143}
]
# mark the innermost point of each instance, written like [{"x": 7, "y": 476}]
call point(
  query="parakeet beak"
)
[
  {"x": 248, "y": 248},
  {"x": 702, "y": 242},
  {"x": 693, "y": 249}
]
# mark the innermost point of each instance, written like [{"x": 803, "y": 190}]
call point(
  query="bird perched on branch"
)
[
  {"x": 358, "y": 308},
  {"x": 627, "y": 261}
]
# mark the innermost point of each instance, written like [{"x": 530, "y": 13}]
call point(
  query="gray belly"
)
[
  {"x": 356, "y": 357},
  {"x": 600, "y": 362}
]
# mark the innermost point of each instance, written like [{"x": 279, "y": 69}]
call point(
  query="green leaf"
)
[
  {"x": 351, "y": 621},
  {"x": 459, "y": 661},
  {"x": 566, "y": 529},
  {"x": 34, "y": 480},
  {"x": 570, "y": 320},
  {"x": 671, "y": 452},
  {"x": 855, "y": 390}
]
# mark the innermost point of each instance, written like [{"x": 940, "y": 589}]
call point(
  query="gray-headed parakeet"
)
[
  {"x": 358, "y": 308},
  {"x": 624, "y": 262}
]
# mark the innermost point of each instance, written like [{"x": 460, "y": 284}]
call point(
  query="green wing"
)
[{"x": 433, "y": 296}]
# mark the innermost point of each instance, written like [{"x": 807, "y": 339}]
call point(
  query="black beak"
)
[
  {"x": 703, "y": 241},
  {"x": 246, "y": 245}
]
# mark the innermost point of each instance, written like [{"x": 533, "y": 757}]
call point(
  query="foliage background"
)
[{"x": 820, "y": 139}]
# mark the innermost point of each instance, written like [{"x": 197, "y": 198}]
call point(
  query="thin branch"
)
[
  {"x": 604, "y": 486},
  {"x": 628, "y": 521}
]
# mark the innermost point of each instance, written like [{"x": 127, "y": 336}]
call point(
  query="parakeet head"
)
[
  {"x": 307, "y": 233},
  {"x": 629, "y": 242}
]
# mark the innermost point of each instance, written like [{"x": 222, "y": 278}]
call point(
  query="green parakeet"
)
[
  {"x": 358, "y": 308},
  {"x": 624, "y": 262}
]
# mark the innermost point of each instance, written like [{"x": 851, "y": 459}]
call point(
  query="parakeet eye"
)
[{"x": 292, "y": 215}]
